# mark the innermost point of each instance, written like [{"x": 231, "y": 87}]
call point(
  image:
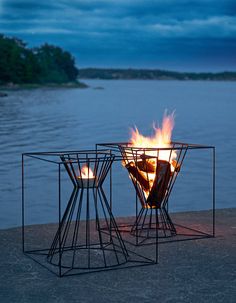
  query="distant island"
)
[
  {"x": 47, "y": 65},
  {"x": 151, "y": 74}
]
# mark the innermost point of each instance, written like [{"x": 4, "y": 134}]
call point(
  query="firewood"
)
[
  {"x": 146, "y": 165},
  {"x": 137, "y": 175},
  {"x": 160, "y": 183}
]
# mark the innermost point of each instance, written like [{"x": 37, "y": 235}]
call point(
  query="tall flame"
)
[
  {"x": 160, "y": 139},
  {"x": 86, "y": 172}
]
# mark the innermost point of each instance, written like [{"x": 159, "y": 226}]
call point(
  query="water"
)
[{"x": 65, "y": 119}]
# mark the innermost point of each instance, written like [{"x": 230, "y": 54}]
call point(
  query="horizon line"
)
[{"x": 157, "y": 69}]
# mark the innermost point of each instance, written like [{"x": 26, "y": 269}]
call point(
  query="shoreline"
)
[
  {"x": 16, "y": 87},
  {"x": 6, "y": 89},
  {"x": 82, "y": 84}
]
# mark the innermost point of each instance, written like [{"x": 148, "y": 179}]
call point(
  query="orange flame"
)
[
  {"x": 160, "y": 139},
  {"x": 86, "y": 172}
]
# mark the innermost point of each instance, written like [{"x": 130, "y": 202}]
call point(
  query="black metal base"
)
[
  {"x": 156, "y": 225},
  {"x": 134, "y": 259},
  {"x": 150, "y": 219},
  {"x": 100, "y": 246},
  {"x": 78, "y": 243}
]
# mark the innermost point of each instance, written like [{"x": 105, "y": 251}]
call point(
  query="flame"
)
[
  {"x": 160, "y": 139},
  {"x": 86, "y": 172}
]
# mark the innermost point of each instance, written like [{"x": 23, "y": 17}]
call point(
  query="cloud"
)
[
  {"x": 164, "y": 18},
  {"x": 40, "y": 30},
  {"x": 125, "y": 29},
  {"x": 218, "y": 26}
]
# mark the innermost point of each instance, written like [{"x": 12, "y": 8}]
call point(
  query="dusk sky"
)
[{"x": 190, "y": 35}]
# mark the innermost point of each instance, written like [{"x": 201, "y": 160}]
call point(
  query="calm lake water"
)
[{"x": 70, "y": 119}]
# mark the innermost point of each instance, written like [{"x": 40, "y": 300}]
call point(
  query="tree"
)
[
  {"x": 56, "y": 65},
  {"x": 46, "y": 64}
]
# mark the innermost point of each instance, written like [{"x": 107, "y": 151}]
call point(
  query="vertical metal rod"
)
[
  {"x": 23, "y": 203},
  {"x": 137, "y": 221},
  {"x": 157, "y": 251},
  {"x": 164, "y": 227},
  {"x": 59, "y": 215},
  {"x": 122, "y": 245},
  {"x": 77, "y": 225},
  {"x": 104, "y": 205},
  {"x": 213, "y": 189},
  {"x": 67, "y": 218},
  {"x": 88, "y": 215},
  {"x": 95, "y": 195},
  {"x": 150, "y": 223},
  {"x": 144, "y": 220},
  {"x": 136, "y": 203},
  {"x": 110, "y": 197},
  {"x": 63, "y": 222}
]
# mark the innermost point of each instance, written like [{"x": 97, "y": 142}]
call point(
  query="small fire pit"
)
[
  {"x": 79, "y": 244},
  {"x": 85, "y": 237},
  {"x": 86, "y": 177}
]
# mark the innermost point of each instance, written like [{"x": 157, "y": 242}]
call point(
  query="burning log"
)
[
  {"x": 160, "y": 183},
  {"x": 137, "y": 175},
  {"x": 147, "y": 165},
  {"x": 155, "y": 190}
]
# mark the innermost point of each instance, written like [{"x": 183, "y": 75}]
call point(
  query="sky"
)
[{"x": 184, "y": 35}]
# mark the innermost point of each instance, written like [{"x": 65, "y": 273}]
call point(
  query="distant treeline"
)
[
  {"x": 41, "y": 65},
  {"x": 151, "y": 74}
]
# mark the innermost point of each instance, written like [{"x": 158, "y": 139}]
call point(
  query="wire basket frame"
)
[
  {"x": 79, "y": 243},
  {"x": 153, "y": 172}
]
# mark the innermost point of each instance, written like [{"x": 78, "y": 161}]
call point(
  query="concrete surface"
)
[{"x": 191, "y": 271}]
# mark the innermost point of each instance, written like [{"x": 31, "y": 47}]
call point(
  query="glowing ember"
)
[{"x": 86, "y": 172}]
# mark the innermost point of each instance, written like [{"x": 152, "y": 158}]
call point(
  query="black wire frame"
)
[
  {"x": 51, "y": 257},
  {"x": 174, "y": 236}
]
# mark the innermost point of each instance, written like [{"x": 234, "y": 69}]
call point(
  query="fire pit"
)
[
  {"x": 76, "y": 242},
  {"x": 153, "y": 164},
  {"x": 153, "y": 180},
  {"x": 87, "y": 237},
  {"x": 80, "y": 244}
]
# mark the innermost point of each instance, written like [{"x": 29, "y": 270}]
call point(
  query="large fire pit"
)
[
  {"x": 153, "y": 180},
  {"x": 153, "y": 164}
]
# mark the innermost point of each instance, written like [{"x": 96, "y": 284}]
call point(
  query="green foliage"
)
[
  {"x": 45, "y": 64},
  {"x": 57, "y": 66}
]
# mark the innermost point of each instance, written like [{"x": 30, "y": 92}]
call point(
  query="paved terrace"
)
[{"x": 191, "y": 271}]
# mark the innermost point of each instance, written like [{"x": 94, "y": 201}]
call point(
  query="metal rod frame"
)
[
  {"x": 146, "y": 221},
  {"x": 73, "y": 250}
]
